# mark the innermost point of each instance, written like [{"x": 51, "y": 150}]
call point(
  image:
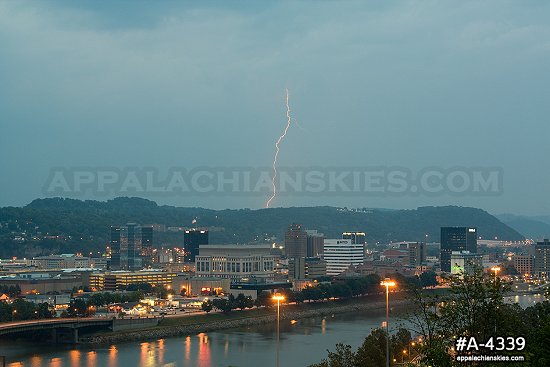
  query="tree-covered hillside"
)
[{"x": 66, "y": 225}]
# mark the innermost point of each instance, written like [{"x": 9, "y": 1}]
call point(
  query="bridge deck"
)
[{"x": 75, "y": 323}]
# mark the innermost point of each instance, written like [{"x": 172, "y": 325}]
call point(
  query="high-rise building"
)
[
  {"x": 456, "y": 239},
  {"x": 115, "y": 245},
  {"x": 524, "y": 264},
  {"x": 126, "y": 245},
  {"x": 192, "y": 239},
  {"x": 417, "y": 255},
  {"x": 315, "y": 243},
  {"x": 133, "y": 238},
  {"x": 306, "y": 268},
  {"x": 295, "y": 241},
  {"x": 355, "y": 237},
  {"x": 147, "y": 245},
  {"x": 542, "y": 259},
  {"x": 340, "y": 254}
]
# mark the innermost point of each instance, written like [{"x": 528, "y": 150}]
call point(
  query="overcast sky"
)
[{"x": 162, "y": 84}]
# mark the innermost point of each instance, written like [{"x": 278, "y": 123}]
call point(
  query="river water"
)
[{"x": 301, "y": 343}]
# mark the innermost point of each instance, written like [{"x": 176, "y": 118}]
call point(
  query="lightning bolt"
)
[{"x": 277, "y": 149}]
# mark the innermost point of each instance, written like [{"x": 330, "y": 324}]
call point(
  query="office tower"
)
[
  {"x": 115, "y": 247},
  {"x": 524, "y": 264},
  {"x": 417, "y": 255},
  {"x": 306, "y": 268},
  {"x": 340, "y": 254},
  {"x": 456, "y": 239},
  {"x": 542, "y": 258},
  {"x": 133, "y": 238},
  {"x": 147, "y": 245},
  {"x": 126, "y": 245},
  {"x": 315, "y": 243},
  {"x": 295, "y": 241},
  {"x": 355, "y": 237},
  {"x": 192, "y": 239}
]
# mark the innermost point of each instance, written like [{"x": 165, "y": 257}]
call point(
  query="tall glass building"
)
[
  {"x": 127, "y": 245},
  {"x": 456, "y": 239},
  {"x": 192, "y": 239}
]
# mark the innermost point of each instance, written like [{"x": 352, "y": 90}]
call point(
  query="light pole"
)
[
  {"x": 278, "y": 297},
  {"x": 387, "y": 283},
  {"x": 495, "y": 269}
]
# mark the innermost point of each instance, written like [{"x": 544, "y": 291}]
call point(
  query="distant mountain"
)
[
  {"x": 67, "y": 225},
  {"x": 530, "y": 227},
  {"x": 541, "y": 218}
]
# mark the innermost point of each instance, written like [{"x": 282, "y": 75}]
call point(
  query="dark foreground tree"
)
[{"x": 207, "y": 306}]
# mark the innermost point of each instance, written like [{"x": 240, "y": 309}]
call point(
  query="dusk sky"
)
[{"x": 412, "y": 84}]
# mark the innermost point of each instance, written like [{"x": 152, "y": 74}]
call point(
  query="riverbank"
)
[{"x": 190, "y": 325}]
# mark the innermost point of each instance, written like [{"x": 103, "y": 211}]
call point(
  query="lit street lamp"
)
[
  {"x": 387, "y": 283},
  {"x": 411, "y": 344},
  {"x": 495, "y": 269},
  {"x": 278, "y": 297}
]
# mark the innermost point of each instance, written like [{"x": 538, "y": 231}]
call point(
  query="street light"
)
[
  {"x": 411, "y": 344},
  {"x": 387, "y": 283},
  {"x": 278, "y": 297},
  {"x": 495, "y": 269}
]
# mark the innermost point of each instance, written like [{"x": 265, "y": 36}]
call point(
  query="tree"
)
[
  {"x": 428, "y": 279},
  {"x": 222, "y": 304},
  {"x": 77, "y": 308},
  {"x": 240, "y": 301},
  {"x": 373, "y": 350},
  {"x": 342, "y": 357},
  {"x": 23, "y": 310},
  {"x": 207, "y": 306},
  {"x": 474, "y": 306},
  {"x": 43, "y": 311},
  {"x": 5, "y": 312},
  {"x": 371, "y": 353},
  {"x": 263, "y": 299}
]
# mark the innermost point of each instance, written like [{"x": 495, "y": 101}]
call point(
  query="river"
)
[{"x": 301, "y": 343}]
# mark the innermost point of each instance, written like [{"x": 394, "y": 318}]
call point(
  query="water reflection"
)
[
  {"x": 226, "y": 347},
  {"x": 161, "y": 352},
  {"x": 113, "y": 356},
  {"x": 187, "y": 349},
  {"x": 74, "y": 357},
  {"x": 204, "y": 358},
  {"x": 302, "y": 343},
  {"x": 91, "y": 359},
  {"x": 36, "y": 361}
]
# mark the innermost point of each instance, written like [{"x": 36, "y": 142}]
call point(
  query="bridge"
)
[{"x": 66, "y": 330}]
